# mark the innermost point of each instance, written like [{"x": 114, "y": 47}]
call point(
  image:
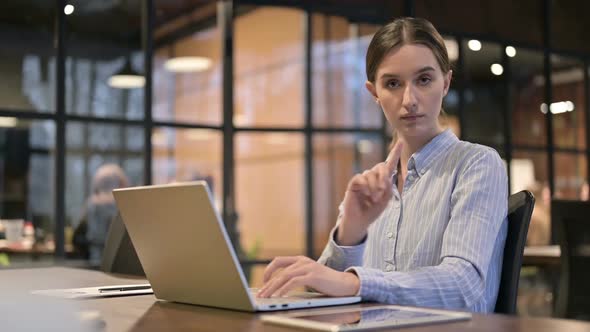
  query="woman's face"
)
[{"x": 409, "y": 86}]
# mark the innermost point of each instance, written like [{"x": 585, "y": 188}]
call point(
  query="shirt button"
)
[
  {"x": 388, "y": 268},
  {"x": 390, "y": 235}
]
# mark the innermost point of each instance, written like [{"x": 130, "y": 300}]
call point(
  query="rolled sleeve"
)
[
  {"x": 340, "y": 257},
  {"x": 454, "y": 284}
]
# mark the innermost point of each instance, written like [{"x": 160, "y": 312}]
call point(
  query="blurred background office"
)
[{"x": 266, "y": 100}]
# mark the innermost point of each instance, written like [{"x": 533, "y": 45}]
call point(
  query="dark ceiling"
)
[
  {"x": 110, "y": 27},
  {"x": 105, "y": 27}
]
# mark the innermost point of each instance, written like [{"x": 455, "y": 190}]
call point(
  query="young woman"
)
[{"x": 426, "y": 227}]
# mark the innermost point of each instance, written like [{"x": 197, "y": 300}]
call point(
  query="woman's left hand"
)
[{"x": 301, "y": 271}]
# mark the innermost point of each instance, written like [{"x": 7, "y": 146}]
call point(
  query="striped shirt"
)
[{"x": 440, "y": 243}]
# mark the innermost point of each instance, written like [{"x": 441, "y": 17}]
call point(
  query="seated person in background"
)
[
  {"x": 101, "y": 209},
  {"x": 426, "y": 227}
]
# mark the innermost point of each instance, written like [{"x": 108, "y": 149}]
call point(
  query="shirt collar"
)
[{"x": 422, "y": 159}]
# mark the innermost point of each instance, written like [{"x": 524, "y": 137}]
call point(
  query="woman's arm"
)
[
  {"x": 475, "y": 235},
  {"x": 468, "y": 275},
  {"x": 340, "y": 257},
  {"x": 367, "y": 195}
]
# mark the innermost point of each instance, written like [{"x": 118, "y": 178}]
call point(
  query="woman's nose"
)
[{"x": 409, "y": 98}]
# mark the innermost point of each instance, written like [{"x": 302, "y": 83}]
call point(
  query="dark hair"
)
[{"x": 402, "y": 31}]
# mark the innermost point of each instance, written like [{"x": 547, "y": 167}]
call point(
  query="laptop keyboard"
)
[{"x": 291, "y": 297}]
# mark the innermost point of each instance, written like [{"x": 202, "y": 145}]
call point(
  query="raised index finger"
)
[{"x": 393, "y": 157}]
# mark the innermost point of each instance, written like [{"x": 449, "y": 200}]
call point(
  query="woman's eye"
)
[
  {"x": 424, "y": 80},
  {"x": 393, "y": 84}
]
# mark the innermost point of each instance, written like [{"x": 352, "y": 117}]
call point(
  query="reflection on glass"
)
[
  {"x": 270, "y": 194},
  {"x": 269, "y": 57},
  {"x": 188, "y": 155},
  {"x": 339, "y": 94},
  {"x": 570, "y": 176},
  {"x": 256, "y": 274},
  {"x": 187, "y": 70},
  {"x": 528, "y": 171},
  {"x": 27, "y": 56},
  {"x": 527, "y": 89},
  {"x": 450, "y": 117},
  {"x": 368, "y": 29},
  {"x": 336, "y": 159},
  {"x": 26, "y": 171},
  {"x": 90, "y": 146},
  {"x": 98, "y": 52},
  {"x": 567, "y": 34},
  {"x": 89, "y": 93},
  {"x": 568, "y": 105},
  {"x": 484, "y": 95},
  {"x": 488, "y": 18}
]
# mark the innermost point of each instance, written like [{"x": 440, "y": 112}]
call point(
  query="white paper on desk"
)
[{"x": 90, "y": 292}]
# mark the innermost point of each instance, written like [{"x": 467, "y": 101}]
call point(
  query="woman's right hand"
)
[{"x": 366, "y": 197}]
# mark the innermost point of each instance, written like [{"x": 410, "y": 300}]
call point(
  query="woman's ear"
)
[
  {"x": 372, "y": 90},
  {"x": 447, "y": 82}
]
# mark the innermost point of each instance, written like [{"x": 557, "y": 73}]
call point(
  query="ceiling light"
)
[
  {"x": 7, "y": 121},
  {"x": 186, "y": 64},
  {"x": 126, "y": 81},
  {"x": 68, "y": 9},
  {"x": 452, "y": 49},
  {"x": 474, "y": 45},
  {"x": 497, "y": 69},
  {"x": 544, "y": 108},
  {"x": 510, "y": 51},
  {"x": 127, "y": 78},
  {"x": 558, "y": 107}
]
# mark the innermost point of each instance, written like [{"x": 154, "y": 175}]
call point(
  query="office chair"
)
[
  {"x": 572, "y": 224},
  {"x": 520, "y": 209}
]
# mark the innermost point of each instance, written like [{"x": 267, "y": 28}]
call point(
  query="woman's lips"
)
[{"x": 412, "y": 117}]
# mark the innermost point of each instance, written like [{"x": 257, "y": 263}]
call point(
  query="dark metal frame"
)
[
  {"x": 60, "y": 132},
  {"x": 226, "y": 15},
  {"x": 308, "y": 105},
  {"x": 548, "y": 92},
  {"x": 587, "y": 116},
  {"x": 148, "y": 19},
  {"x": 225, "y": 20},
  {"x": 507, "y": 112}
]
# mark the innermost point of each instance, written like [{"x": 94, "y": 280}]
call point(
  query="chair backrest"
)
[
  {"x": 520, "y": 209},
  {"x": 571, "y": 220}
]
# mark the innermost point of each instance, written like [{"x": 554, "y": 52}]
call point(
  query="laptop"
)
[
  {"x": 119, "y": 255},
  {"x": 186, "y": 254}
]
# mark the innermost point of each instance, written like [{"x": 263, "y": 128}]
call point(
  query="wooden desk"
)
[
  {"x": 542, "y": 255},
  {"x": 145, "y": 313}
]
